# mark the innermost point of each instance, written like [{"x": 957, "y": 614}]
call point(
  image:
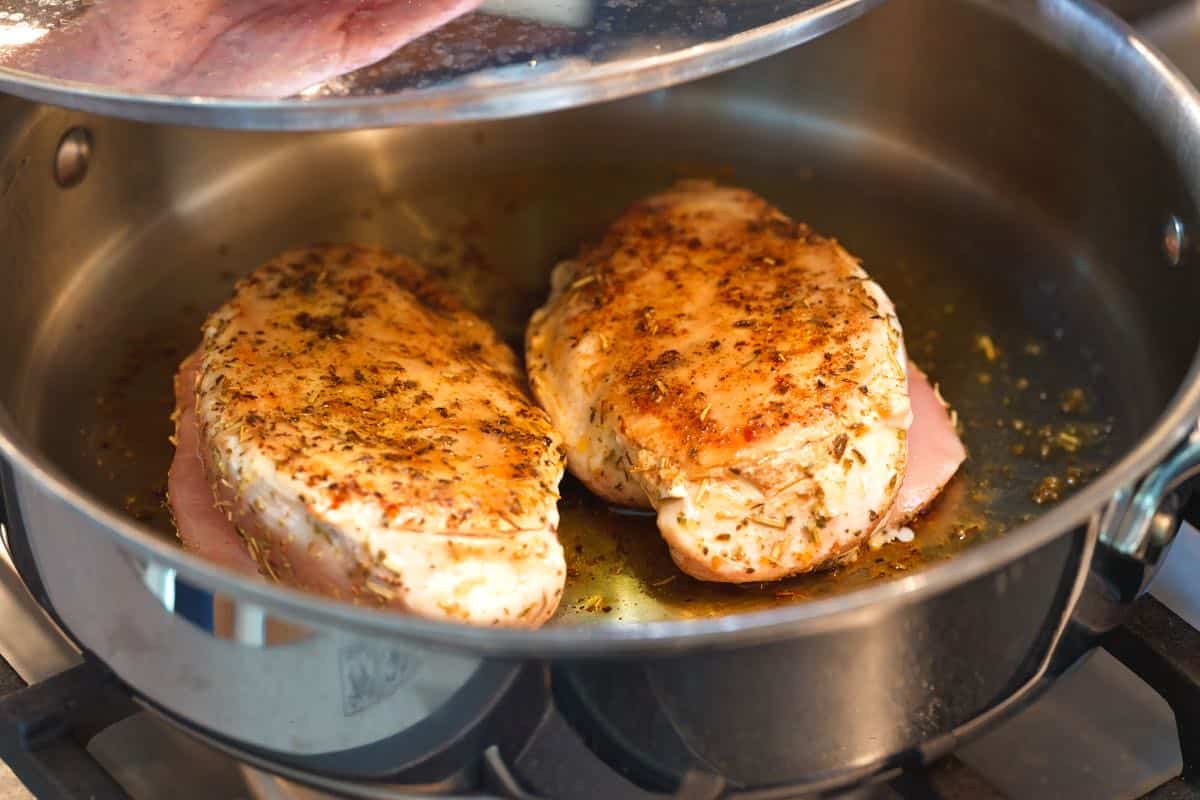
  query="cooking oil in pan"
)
[{"x": 1032, "y": 402}]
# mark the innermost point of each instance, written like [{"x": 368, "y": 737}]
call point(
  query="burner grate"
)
[
  {"x": 1164, "y": 651},
  {"x": 44, "y": 729}
]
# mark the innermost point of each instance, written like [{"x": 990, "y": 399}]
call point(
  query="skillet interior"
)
[{"x": 1063, "y": 290}]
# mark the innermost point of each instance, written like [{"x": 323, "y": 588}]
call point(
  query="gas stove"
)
[{"x": 1124, "y": 724}]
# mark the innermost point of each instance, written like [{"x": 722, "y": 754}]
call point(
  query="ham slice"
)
[
  {"x": 934, "y": 455},
  {"x": 203, "y": 528}
]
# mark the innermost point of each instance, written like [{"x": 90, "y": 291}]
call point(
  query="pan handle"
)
[{"x": 1140, "y": 524}]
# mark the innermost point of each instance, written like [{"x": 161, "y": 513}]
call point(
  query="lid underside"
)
[{"x": 324, "y": 64}]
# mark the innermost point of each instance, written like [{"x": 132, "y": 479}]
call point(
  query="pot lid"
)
[{"x": 324, "y": 64}]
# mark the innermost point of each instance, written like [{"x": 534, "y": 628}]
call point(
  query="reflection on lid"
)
[
  {"x": 16, "y": 34},
  {"x": 315, "y": 48},
  {"x": 469, "y": 44},
  {"x": 230, "y": 48}
]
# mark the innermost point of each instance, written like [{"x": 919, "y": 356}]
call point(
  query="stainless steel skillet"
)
[{"x": 993, "y": 183}]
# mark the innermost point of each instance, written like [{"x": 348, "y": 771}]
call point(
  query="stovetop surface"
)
[{"x": 1101, "y": 732}]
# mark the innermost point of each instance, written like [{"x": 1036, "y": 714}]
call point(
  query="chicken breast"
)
[
  {"x": 719, "y": 362},
  {"x": 368, "y": 438}
]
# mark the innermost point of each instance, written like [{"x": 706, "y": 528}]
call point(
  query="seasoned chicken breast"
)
[
  {"x": 368, "y": 438},
  {"x": 723, "y": 364}
]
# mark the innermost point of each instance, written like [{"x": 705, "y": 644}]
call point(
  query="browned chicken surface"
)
[
  {"x": 369, "y": 438},
  {"x": 719, "y": 362}
]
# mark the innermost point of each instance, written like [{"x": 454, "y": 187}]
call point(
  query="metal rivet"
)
[
  {"x": 73, "y": 157},
  {"x": 1175, "y": 241},
  {"x": 1163, "y": 525}
]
